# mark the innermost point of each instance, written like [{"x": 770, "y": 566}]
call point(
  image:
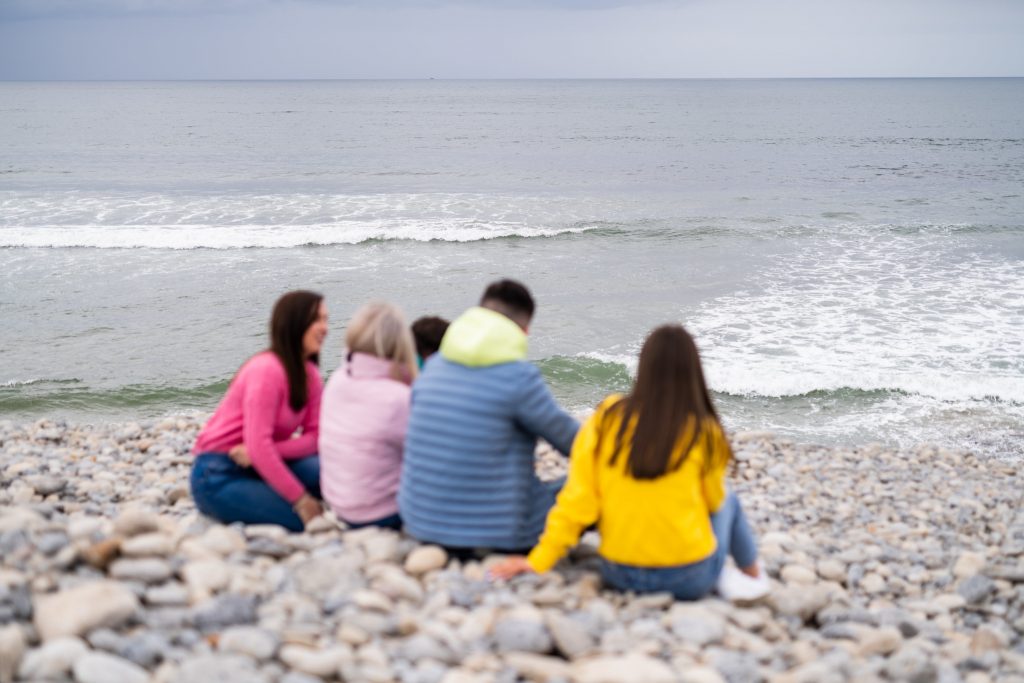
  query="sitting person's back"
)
[
  {"x": 364, "y": 416},
  {"x": 468, "y": 476}
]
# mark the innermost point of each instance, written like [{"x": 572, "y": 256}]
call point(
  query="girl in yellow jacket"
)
[{"x": 649, "y": 469}]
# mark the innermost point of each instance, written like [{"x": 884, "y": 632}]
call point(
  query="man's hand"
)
[
  {"x": 514, "y": 565},
  {"x": 240, "y": 454},
  {"x": 308, "y": 508}
]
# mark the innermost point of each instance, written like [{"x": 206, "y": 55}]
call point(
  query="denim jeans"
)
[
  {"x": 692, "y": 581},
  {"x": 390, "y": 522},
  {"x": 231, "y": 493}
]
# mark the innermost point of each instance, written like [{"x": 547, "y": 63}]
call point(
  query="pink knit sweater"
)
[
  {"x": 364, "y": 418},
  {"x": 255, "y": 411}
]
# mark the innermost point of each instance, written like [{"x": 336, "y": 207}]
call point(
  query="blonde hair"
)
[{"x": 379, "y": 329}]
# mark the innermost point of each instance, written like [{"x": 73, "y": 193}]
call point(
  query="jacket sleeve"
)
[
  {"x": 306, "y": 444},
  {"x": 264, "y": 397},
  {"x": 540, "y": 414},
  {"x": 578, "y": 504},
  {"x": 713, "y": 478}
]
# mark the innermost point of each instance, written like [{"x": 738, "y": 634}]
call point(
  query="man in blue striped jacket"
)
[{"x": 468, "y": 480}]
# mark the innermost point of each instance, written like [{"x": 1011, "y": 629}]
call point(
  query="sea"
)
[{"x": 849, "y": 254}]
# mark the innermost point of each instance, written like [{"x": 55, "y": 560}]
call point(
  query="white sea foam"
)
[
  {"x": 274, "y": 221},
  {"x": 863, "y": 311}
]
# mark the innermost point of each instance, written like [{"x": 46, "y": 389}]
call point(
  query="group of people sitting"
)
[{"x": 432, "y": 429}]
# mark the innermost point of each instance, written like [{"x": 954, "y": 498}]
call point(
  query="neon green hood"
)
[{"x": 481, "y": 337}]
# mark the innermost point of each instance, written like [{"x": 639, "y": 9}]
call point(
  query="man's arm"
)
[{"x": 540, "y": 414}]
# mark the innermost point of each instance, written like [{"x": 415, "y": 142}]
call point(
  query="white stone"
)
[
  {"x": 143, "y": 569},
  {"x": 425, "y": 558},
  {"x": 78, "y": 610},
  {"x": 222, "y": 540},
  {"x": 100, "y": 667},
  {"x": 968, "y": 564},
  {"x": 872, "y": 583},
  {"x": 396, "y": 584},
  {"x": 134, "y": 521},
  {"x": 695, "y": 623},
  {"x": 878, "y": 641},
  {"x": 322, "y": 663},
  {"x": 12, "y": 649},
  {"x": 832, "y": 570},
  {"x": 700, "y": 674},
  {"x": 148, "y": 545},
  {"x": 205, "y": 578},
  {"x": 798, "y": 574},
  {"x": 570, "y": 637},
  {"x": 538, "y": 668},
  {"x": 372, "y": 600},
  {"x": 53, "y": 660},
  {"x": 258, "y": 643},
  {"x": 632, "y": 668}
]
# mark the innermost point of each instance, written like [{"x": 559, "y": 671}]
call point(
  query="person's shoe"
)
[{"x": 735, "y": 586}]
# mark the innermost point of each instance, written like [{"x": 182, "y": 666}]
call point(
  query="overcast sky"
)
[{"x": 279, "y": 39}]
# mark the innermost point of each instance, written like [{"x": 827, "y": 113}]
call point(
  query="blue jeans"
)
[
  {"x": 692, "y": 581},
  {"x": 231, "y": 493},
  {"x": 390, "y": 522}
]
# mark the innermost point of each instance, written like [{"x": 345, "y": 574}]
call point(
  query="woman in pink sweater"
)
[
  {"x": 256, "y": 457},
  {"x": 364, "y": 417}
]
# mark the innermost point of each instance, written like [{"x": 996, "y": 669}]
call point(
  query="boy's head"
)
[
  {"x": 427, "y": 332},
  {"x": 511, "y": 299}
]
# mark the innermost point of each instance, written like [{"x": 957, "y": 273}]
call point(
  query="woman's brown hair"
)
[
  {"x": 669, "y": 400},
  {"x": 293, "y": 314}
]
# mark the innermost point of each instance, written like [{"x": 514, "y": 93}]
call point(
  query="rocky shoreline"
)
[{"x": 904, "y": 566}]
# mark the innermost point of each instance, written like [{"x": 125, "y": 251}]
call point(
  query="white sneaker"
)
[{"x": 735, "y": 586}]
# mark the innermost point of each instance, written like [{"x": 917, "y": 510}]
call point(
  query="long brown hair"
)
[
  {"x": 293, "y": 314},
  {"x": 669, "y": 400}
]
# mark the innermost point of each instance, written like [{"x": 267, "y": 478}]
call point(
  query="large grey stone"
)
[
  {"x": 225, "y": 610},
  {"x": 53, "y": 660}
]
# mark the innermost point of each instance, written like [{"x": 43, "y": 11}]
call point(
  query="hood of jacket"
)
[{"x": 481, "y": 337}]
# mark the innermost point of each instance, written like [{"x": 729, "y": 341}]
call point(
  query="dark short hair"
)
[
  {"x": 427, "y": 332},
  {"x": 512, "y": 295}
]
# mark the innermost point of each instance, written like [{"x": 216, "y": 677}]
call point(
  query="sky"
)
[{"x": 328, "y": 39}]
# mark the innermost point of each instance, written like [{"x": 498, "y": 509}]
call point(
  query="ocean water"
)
[{"x": 848, "y": 253}]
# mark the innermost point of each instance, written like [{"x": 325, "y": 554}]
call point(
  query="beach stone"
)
[
  {"x": 53, "y": 660},
  {"x": 102, "y": 553},
  {"x": 800, "y": 601},
  {"x": 319, "y": 577},
  {"x": 51, "y": 543},
  {"x": 700, "y": 674},
  {"x": 911, "y": 665},
  {"x": 425, "y": 558},
  {"x": 976, "y": 588},
  {"x": 736, "y": 667},
  {"x": 880, "y": 641},
  {"x": 631, "y": 668},
  {"x": 696, "y": 624},
  {"x": 225, "y": 610},
  {"x": 205, "y": 578},
  {"x": 421, "y": 646},
  {"x": 100, "y": 667},
  {"x": 322, "y": 663},
  {"x": 258, "y": 643},
  {"x": 570, "y": 637},
  {"x": 987, "y": 638},
  {"x": 832, "y": 570},
  {"x": 78, "y": 610},
  {"x": 538, "y": 668},
  {"x": 47, "y": 485},
  {"x": 522, "y": 630},
  {"x": 219, "y": 669},
  {"x": 968, "y": 564},
  {"x": 144, "y": 570},
  {"x": 396, "y": 584},
  {"x": 798, "y": 574},
  {"x": 148, "y": 545},
  {"x": 167, "y": 595},
  {"x": 145, "y": 649},
  {"x": 12, "y": 649},
  {"x": 872, "y": 584},
  {"x": 222, "y": 540},
  {"x": 134, "y": 521}
]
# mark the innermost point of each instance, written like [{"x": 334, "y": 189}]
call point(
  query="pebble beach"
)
[{"x": 886, "y": 565}]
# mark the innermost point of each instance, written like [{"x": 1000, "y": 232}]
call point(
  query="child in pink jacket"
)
[{"x": 363, "y": 418}]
